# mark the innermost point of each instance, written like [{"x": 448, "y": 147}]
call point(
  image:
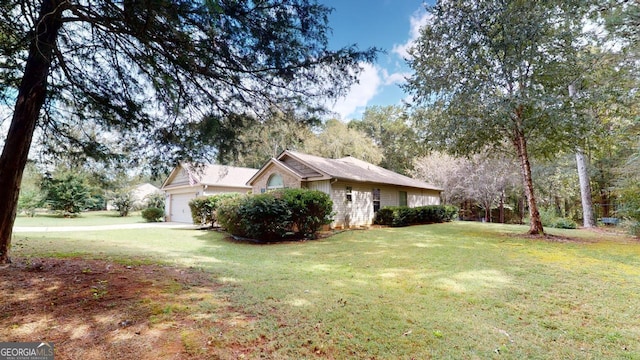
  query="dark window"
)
[
  {"x": 349, "y": 193},
  {"x": 376, "y": 200},
  {"x": 402, "y": 198}
]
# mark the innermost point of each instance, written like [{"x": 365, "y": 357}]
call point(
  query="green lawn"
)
[
  {"x": 88, "y": 218},
  {"x": 449, "y": 291}
]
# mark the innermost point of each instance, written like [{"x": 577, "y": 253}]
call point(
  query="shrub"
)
[
  {"x": 229, "y": 215},
  {"x": 310, "y": 209},
  {"x": 563, "y": 223},
  {"x": 384, "y": 216},
  {"x": 398, "y": 216},
  {"x": 276, "y": 215},
  {"x": 550, "y": 219},
  {"x": 265, "y": 217},
  {"x": 204, "y": 209},
  {"x": 29, "y": 201},
  {"x": 155, "y": 200},
  {"x": 123, "y": 202},
  {"x": 152, "y": 214}
]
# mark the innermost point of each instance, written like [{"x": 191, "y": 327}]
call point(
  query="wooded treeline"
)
[{"x": 539, "y": 84}]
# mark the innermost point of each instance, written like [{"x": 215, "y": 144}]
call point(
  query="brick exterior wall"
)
[{"x": 260, "y": 183}]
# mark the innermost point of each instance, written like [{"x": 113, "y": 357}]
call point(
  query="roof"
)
[
  {"x": 212, "y": 175},
  {"x": 347, "y": 168}
]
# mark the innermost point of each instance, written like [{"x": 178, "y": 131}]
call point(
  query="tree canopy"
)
[
  {"x": 104, "y": 77},
  {"x": 497, "y": 73}
]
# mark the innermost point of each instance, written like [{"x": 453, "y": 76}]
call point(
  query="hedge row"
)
[
  {"x": 403, "y": 216},
  {"x": 203, "y": 209},
  {"x": 276, "y": 215}
]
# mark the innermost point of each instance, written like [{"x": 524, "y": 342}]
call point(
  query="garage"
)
[
  {"x": 180, "y": 211},
  {"x": 187, "y": 182}
]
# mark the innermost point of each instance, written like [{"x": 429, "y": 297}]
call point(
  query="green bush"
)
[
  {"x": 123, "y": 202},
  {"x": 155, "y": 200},
  {"x": 550, "y": 219},
  {"x": 229, "y": 215},
  {"x": 398, "y": 216},
  {"x": 276, "y": 215},
  {"x": 310, "y": 209},
  {"x": 265, "y": 217},
  {"x": 29, "y": 201},
  {"x": 68, "y": 194},
  {"x": 204, "y": 208},
  {"x": 153, "y": 214}
]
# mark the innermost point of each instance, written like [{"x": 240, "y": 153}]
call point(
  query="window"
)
[
  {"x": 349, "y": 193},
  {"x": 376, "y": 200},
  {"x": 275, "y": 182},
  {"x": 402, "y": 198}
]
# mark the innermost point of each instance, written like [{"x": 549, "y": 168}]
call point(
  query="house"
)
[
  {"x": 188, "y": 181},
  {"x": 139, "y": 195},
  {"x": 358, "y": 189}
]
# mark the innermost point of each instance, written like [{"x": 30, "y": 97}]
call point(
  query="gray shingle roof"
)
[{"x": 350, "y": 168}]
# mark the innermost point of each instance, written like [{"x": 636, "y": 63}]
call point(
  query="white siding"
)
[
  {"x": 417, "y": 198},
  {"x": 214, "y": 190},
  {"x": 359, "y": 211},
  {"x": 181, "y": 178},
  {"x": 322, "y": 185}
]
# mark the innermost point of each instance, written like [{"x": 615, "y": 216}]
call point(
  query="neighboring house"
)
[
  {"x": 358, "y": 189},
  {"x": 139, "y": 195},
  {"x": 187, "y": 182}
]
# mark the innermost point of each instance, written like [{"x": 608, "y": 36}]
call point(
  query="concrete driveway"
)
[{"x": 168, "y": 225}]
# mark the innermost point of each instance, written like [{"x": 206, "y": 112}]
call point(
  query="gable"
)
[
  {"x": 300, "y": 167},
  {"x": 178, "y": 177},
  {"x": 209, "y": 175}
]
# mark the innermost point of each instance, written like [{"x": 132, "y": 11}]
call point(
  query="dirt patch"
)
[{"x": 93, "y": 309}]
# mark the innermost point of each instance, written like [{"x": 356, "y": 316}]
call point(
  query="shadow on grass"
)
[{"x": 94, "y": 309}]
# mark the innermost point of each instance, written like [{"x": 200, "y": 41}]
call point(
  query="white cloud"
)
[
  {"x": 394, "y": 78},
  {"x": 360, "y": 94},
  {"x": 417, "y": 20}
]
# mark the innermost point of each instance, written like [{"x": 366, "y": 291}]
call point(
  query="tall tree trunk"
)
[
  {"x": 501, "y": 206},
  {"x": 535, "y": 223},
  {"x": 585, "y": 190},
  {"x": 583, "y": 175},
  {"x": 31, "y": 97}
]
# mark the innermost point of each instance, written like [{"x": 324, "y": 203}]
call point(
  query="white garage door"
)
[{"x": 180, "y": 211}]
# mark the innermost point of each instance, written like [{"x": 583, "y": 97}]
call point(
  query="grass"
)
[
  {"x": 88, "y": 218},
  {"x": 447, "y": 291}
]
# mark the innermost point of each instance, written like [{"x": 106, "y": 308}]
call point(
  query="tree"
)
[
  {"x": 107, "y": 77},
  {"x": 337, "y": 140},
  {"x": 487, "y": 179},
  {"x": 443, "y": 170},
  {"x": 484, "y": 179},
  {"x": 248, "y": 142},
  {"x": 494, "y": 70},
  {"x": 390, "y": 129},
  {"x": 122, "y": 201},
  {"x": 67, "y": 194}
]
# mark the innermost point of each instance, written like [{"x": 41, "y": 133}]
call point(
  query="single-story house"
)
[
  {"x": 358, "y": 189},
  {"x": 188, "y": 181},
  {"x": 139, "y": 194}
]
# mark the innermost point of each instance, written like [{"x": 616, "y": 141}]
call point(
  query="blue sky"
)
[{"x": 390, "y": 25}]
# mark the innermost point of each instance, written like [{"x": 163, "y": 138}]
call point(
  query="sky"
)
[{"x": 390, "y": 25}]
